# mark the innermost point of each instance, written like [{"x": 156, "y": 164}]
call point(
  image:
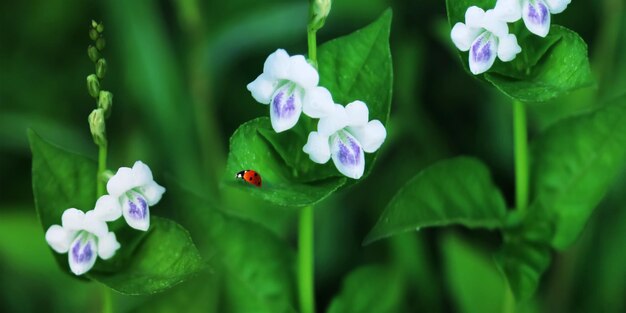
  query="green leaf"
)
[
  {"x": 166, "y": 257},
  {"x": 545, "y": 69},
  {"x": 358, "y": 67},
  {"x": 574, "y": 163},
  {"x": 62, "y": 180},
  {"x": 523, "y": 262},
  {"x": 353, "y": 67},
  {"x": 465, "y": 265},
  {"x": 250, "y": 150},
  {"x": 453, "y": 191},
  {"x": 562, "y": 69},
  {"x": 369, "y": 289},
  {"x": 256, "y": 266}
]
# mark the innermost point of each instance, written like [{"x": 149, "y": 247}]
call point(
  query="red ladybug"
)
[{"x": 250, "y": 177}]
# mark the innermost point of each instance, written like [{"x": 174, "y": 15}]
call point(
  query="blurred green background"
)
[{"x": 178, "y": 71}]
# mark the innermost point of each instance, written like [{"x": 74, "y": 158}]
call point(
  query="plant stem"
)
[
  {"x": 305, "y": 261},
  {"x": 312, "y": 41},
  {"x": 102, "y": 167},
  {"x": 107, "y": 301},
  {"x": 521, "y": 155}
]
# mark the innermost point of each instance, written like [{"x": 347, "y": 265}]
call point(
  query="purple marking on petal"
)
[
  {"x": 84, "y": 255},
  {"x": 138, "y": 210},
  {"x": 481, "y": 52},
  {"x": 538, "y": 17},
  {"x": 276, "y": 102},
  {"x": 349, "y": 156},
  {"x": 284, "y": 108}
]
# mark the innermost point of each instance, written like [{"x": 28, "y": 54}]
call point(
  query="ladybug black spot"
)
[{"x": 256, "y": 174}]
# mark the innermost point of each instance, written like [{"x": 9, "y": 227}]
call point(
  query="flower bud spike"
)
[
  {"x": 100, "y": 43},
  {"x": 93, "y": 53},
  {"x": 318, "y": 11},
  {"x": 101, "y": 68},
  {"x": 105, "y": 102},
  {"x": 98, "y": 127},
  {"x": 93, "y": 34},
  {"x": 93, "y": 85}
]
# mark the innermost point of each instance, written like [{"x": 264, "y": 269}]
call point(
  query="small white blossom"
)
[
  {"x": 289, "y": 85},
  {"x": 85, "y": 237},
  {"x": 345, "y": 134},
  {"x": 535, "y": 13},
  {"x": 486, "y": 36},
  {"x": 131, "y": 192}
]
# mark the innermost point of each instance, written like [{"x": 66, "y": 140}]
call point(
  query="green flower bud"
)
[
  {"x": 98, "y": 127},
  {"x": 93, "y": 34},
  {"x": 100, "y": 28},
  {"x": 105, "y": 102},
  {"x": 94, "y": 24},
  {"x": 100, "y": 43},
  {"x": 318, "y": 11},
  {"x": 93, "y": 53},
  {"x": 93, "y": 85},
  {"x": 101, "y": 68}
]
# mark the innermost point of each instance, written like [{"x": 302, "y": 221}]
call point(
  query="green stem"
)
[
  {"x": 102, "y": 167},
  {"x": 312, "y": 41},
  {"x": 305, "y": 261},
  {"x": 107, "y": 301},
  {"x": 521, "y": 155}
]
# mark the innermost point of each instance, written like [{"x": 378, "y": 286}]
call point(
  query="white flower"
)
[
  {"x": 345, "y": 134},
  {"x": 536, "y": 13},
  {"x": 85, "y": 237},
  {"x": 289, "y": 85},
  {"x": 131, "y": 192},
  {"x": 486, "y": 36}
]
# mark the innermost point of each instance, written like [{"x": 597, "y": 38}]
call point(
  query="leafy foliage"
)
[
  {"x": 545, "y": 69},
  {"x": 256, "y": 266},
  {"x": 354, "y": 67},
  {"x": 453, "y": 191},
  {"x": 146, "y": 262},
  {"x": 368, "y": 289},
  {"x": 574, "y": 163}
]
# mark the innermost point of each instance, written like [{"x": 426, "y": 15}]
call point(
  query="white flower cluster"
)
[
  {"x": 290, "y": 86},
  {"x": 485, "y": 34},
  {"x": 86, "y": 235}
]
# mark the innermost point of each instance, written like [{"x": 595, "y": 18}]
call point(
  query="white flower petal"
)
[
  {"x": 277, "y": 65},
  {"x": 136, "y": 211},
  {"x": 334, "y": 121},
  {"x": 93, "y": 224},
  {"x": 302, "y": 73},
  {"x": 317, "y": 147},
  {"x": 107, "y": 245},
  {"x": 82, "y": 254},
  {"x": 318, "y": 102},
  {"x": 508, "y": 48},
  {"x": 495, "y": 25},
  {"x": 557, "y": 6},
  {"x": 347, "y": 155},
  {"x": 286, "y": 107},
  {"x": 152, "y": 192},
  {"x": 474, "y": 17},
  {"x": 536, "y": 17},
  {"x": 121, "y": 182},
  {"x": 357, "y": 113},
  {"x": 482, "y": 53},
  {"x": 108, "y": 208},
  {"x": 371, "y": 136},
  {"x": 508, "y": 10},
  {"x": 142, "y": 174},
  {"x": 59, "y": 238},
  {"x": 73, "y": 219},
  {"x": 262, "y": 88},
  {"x": 463, "y": 36}
]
